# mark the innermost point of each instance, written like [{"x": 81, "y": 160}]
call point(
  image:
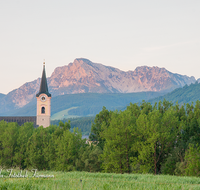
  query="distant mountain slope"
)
[
  {"x": 19, "y": 97},
  {"x": 87, "y": 103},
  {"x": 187, "y": 94},
  {"x": 1, "y": 95},
  {"x": 84, "y": 76}
]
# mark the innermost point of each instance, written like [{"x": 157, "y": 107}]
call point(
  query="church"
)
[
  {"x": 43, "y": 102},
  {"x": 43, "y": 115}
]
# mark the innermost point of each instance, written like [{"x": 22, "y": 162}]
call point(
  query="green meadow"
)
[
  {"x": 64, "y": 114},
  {"x": 104, "y": 181}
]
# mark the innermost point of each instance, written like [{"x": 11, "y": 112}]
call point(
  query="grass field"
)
[
  {"x": 104, "y": 181},
  {"x": 63, "y": 114}
]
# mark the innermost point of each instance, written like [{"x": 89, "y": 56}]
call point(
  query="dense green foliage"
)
[
  {"x": 83, "y": 123},
  {"x": 159, "y": 139},
  {"x": 51, "y": 148},
  {"x": 149, "y": 139},
  {"x": 187, "y": 94},
  {"x": 99, "y": 181}
]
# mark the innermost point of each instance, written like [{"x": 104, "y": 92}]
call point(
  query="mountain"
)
[
  {"x": 84, "y": 76},
  {"x": 19, "y": 97},
  {"x": 85, "y": 104},
  {"x": 1, "y": 95},
  {"x": 187, "y": 94}
]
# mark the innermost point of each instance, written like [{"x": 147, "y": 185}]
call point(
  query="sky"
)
[{"x": 120, "y": 33}]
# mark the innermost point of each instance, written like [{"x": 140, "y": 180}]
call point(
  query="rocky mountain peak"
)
[
  {"x": 154, "y": 69},
  {"x": 83, "y": 76}
]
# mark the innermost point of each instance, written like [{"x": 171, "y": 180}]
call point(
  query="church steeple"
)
[
  {"x": 43, "y": 102},
  {"x": 43, "y": 84}
]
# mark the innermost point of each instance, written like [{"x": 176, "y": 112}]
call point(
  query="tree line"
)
[
  {"x": 51, "y": 148},
  {"x": 83, "y": 123},
  {"x": 162, "y": 139}
]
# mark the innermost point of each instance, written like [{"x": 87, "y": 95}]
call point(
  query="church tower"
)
[{"x": 43, "y": 102}]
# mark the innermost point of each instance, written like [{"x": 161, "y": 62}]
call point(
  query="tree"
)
[
  {"x": 157, "y": 134},
  {"x": 171, "y": 164},
  {"x": 65, "y": 125},
  {"x": 8, "y": 144},
  {"x": 67, "y": 148},
  {"x": 24, "y": 133},
  {"x": 103, "y": 118},
  {"x": 50, "y": 149},
  {"x": 88, "y": 159},
  {"x": 192, "y": 159},
  {"x": 119, "y": 137},
  {"x": 35, "y": 152}
]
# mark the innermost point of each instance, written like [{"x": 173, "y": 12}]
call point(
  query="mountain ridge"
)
[
  {"x": 187, "y": 94},
  {"x": 84, "y": 76},
  {"x": 86, "y": 103}
]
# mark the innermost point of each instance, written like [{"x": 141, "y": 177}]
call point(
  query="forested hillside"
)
[
  {"x": 160, "y": 139},
  {"x": 86, "y": 104},
  {"x": 187, "y": 94},
  {"x": 83, "y": 123}
]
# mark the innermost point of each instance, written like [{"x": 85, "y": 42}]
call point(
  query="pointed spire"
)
[{"x": 43, "y": 84}]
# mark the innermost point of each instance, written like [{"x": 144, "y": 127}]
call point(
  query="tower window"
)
[{"x": 43, "y": 110}]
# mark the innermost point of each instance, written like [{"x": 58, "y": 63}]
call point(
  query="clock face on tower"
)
[{"x": 43, "y": 98}]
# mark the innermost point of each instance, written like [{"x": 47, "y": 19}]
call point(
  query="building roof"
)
[{"x": 43, "y": 84}]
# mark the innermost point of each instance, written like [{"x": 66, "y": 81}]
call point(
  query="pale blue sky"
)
[{"x": 123, "y": 34}]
